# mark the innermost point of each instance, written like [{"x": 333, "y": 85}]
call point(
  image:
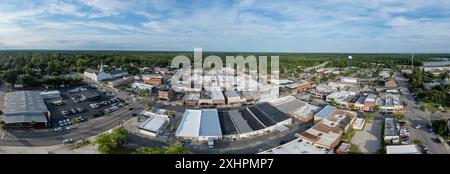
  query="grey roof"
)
[
  {"x": 390, "y": 127},
  {"x": 440, "y": 63},
  {"x": 232, "y": 94},
  {"x": 325, "y": 112},
  {"x": 25, "y": 103},
  {"x": 209, "y": 123},
  {"x": 239, "y": 122},
  {"x": 118, "y": 71},
  {"x": 25, "y": 119},
  {"x": 290, "y": 106}
]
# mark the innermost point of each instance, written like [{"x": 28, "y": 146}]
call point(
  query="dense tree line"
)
[
  {"x": 437, "y": 94},
  {"x": 33, "y": 66}
]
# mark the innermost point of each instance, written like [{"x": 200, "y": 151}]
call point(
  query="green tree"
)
[
  {"x": 148, "y": 106},
  {"x": 440, "y": 127},
  {"x": 149, "y": 150},
  {"x": 376, "y": 108},
  {"x": 106, "y": 145},
  {"x": 144, "y": 92},
  {"x": 333, "y": 103},
  {"x": 110, "y": 142},
  {"x": 176, "y": 149},
  {"x": 399, "y": 116}
]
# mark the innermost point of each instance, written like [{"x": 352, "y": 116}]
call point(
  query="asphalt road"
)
[{"x": 415, "y": 116}]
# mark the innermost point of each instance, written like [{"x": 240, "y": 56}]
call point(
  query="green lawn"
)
[
  {"x": 347, "y": 137},
  {"x": 354, "y": 149}
]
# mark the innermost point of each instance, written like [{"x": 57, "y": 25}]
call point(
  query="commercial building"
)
[
  {"x": 298, "y": 146},
  {"x": 328, "y": 132},
  {"x": 342, "y": 98},
  {"x": 344, "y": 148},
  {"x": 370, "y": 102},
  {"x": 234, "y": 97},
  {"x": 153, "y": 79},
  {"x": 321, "y": 91},
  {"x": 359, "y": 124},
  {"x": 298, "y": 87},
  {"x": 252, "y": 121},
  {"x": 98, "y": 76},
  {"x": 390, "y": 103},
  {"x": 141, "y": 86},
  {"x": 166, "y": 93},
  {"x": 25, "y": 107},
  {"x": 90, "y": 95},
  {"x": 199, "y": 125},
  {"x": 295, "y": 108},
  {"x": 391, "y": 135},
  {"x": 403, "y": 149},
  {"x": 359, "y": 104},
  {"x": 350, "y": 80},
  {"x": 51, "y": 94},
  {"x": 154, "y": 124},
  {"x": 431, "y": 67},
  {"x": 191, "y": 99},
  {"x": 120, "y": 81}
]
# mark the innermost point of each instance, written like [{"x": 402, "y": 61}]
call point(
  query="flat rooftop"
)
[
  {"x": 297, "y": 146},
  {"x": 390, "y": 127},
  {"x": 403, "y": 149},
  {"x": 23, "y": 102}
]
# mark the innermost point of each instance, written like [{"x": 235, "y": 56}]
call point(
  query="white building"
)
[
  {"x": 298, "y": 146},
  {"x": 349, "y": 80},
  {"x": 199, "y": 125},
  {"x": 101, "y": 75},
  {"x": 391, "y": 135},
  {"x": 403, "y": 149},
  {"x": 154, "y": 124},
  {"x": 50, "y": 94},
  {"x": 390, "y": 103},
  {"x": 141, "y": 86},
  {"x": 234, "y": 97}
]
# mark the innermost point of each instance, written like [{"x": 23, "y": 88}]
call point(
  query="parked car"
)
[
  {"x": 59, "y": 129},
  {"x": 425, "y": 148},
  {"x": 67, "y": 140},
  {"x": 418, "y": 126}
]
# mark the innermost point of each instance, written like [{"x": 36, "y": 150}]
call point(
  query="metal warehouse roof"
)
[
  {"x": 154, "y": 123},
  {"x": 390, "y": 127},
  {"x": 325, "y": 112},
  {"x": 199, "y": 123},
  {"x": 25, "y": 103},
  {"x": 209, "y": 125},
  {"x": 190, "y": 124},
  {"x": 440, "y": 63},
  {"x": 25, "y": 119}
]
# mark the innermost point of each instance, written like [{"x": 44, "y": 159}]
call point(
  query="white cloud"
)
[{"x": 302, "y": 26}]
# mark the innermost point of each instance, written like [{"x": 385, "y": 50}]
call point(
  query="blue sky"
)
[{"x": 228, "y": 25}]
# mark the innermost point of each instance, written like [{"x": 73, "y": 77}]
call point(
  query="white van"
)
[{"x": 210, "y": 143}]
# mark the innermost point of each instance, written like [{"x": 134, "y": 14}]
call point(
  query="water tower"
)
[{"x": 349, "y": 61}]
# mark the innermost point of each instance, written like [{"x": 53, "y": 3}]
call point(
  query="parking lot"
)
[{"x": 75, "y": 106}]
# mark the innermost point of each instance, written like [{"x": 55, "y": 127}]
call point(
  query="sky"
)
[{"x": 369, "y": 26}]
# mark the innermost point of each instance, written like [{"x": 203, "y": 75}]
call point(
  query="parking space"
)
[
  {"x": 77, "y": 106},
  {"x": 369, "y": 139}
]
